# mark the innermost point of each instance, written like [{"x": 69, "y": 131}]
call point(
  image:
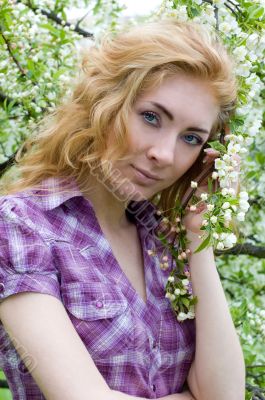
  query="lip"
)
[{"x": 146, "y": 174}]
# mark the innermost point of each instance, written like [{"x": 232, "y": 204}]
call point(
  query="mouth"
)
[{"x": 145, "y": 174}]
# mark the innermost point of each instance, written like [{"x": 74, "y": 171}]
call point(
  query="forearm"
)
[{"x": 218, "y": 368}]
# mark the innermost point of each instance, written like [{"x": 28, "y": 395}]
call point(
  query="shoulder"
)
[{"x": 32, "y": 206}]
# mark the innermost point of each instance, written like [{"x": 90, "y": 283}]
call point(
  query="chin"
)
[{"x": 137, "y": 194}]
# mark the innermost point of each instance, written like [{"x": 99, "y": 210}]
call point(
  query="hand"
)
[{"x": 194, "y": 216}]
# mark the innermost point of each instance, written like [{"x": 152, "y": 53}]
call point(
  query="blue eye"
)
[
  {"x": 191, "y": 138},
  {"x": 151, "y": 118}
]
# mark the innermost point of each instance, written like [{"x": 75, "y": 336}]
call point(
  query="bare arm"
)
[
  {"x": 42, "y": 332},
  {"x": 218, "y": 369},
  {"x": 178, "y": 396}
]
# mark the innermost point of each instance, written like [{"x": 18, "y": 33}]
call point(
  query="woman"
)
[{"x": 83, "y": 302}]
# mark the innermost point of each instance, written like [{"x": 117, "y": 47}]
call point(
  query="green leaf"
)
[
  {"x": 217, "y": 146},
  {"x": 204, "y": 244},
  {"x": 255, "y": 12},
  {"x": 185, "y": 302},
  {"x": 210, "y": 186},
  {"x": 260, "y": 158}
]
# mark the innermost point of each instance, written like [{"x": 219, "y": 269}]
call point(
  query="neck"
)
[{"x": 109, "y": 210}]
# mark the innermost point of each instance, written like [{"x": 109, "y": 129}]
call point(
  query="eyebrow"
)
[{"x": 171, "y": 117}]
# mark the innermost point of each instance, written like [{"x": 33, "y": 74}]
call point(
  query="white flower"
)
[
  {"x": 219, "y": 164},
  {"x": 204, "y": 196},
  {"x": 204, "y": 222},
  {"x": 220, "y": 246},
  {"x": 227, "y": 216},
  {"x": 225, "y": 27},
  {"x": 226, "y": 205},
  {"x": 224, "y": 191},
  {"x": 193, "y": 184},
  {"x": 226, "y": 157},
  {"x": 230, "y": 240},
  {"x": 214, "y": 175},
  {"x": 185, "y": 282},
  {"x": 213, "y": 219},
  {"x": 171, "y": 279},
  {"x": 191, "y": 314},
  {"x": 241, "y": 216},
  {"x": 240, "y": 52},
  {"x": 182, "y": 316},
  {"x": 243, "y": 195},
  {"x": 177, "y": 292},
  {"x": 233, "y": 148},
  {"x": 210, "y": 207},
  {"x": 234, "y": 208},
  {"x": 215, "y": 235},
  {"x": 244, "y": 205},
  {"x": 234, "y": 176},
  {"x": 221, "y": 173},
  {"x": 231, "y": 191}
]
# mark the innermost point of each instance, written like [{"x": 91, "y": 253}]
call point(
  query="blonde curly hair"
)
[{"x": 73, "y": 138}]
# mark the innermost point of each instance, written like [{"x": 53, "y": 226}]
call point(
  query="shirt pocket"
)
[{"x": 101, "y": 316}]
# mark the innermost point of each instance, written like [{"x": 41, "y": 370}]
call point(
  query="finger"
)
[{"x": 210, "y": 155}]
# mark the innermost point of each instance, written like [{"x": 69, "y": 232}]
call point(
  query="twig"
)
[
  {"x": 51, "y": 15},
  {"x": 216, "y": 16},
  {"x": 6, "y": 164},
  {"x": 231, "y": 9},
  {"x": 235, "y": 5},
  {"x": 81, "y": 19},
  {"x": 21, "y": 69}
]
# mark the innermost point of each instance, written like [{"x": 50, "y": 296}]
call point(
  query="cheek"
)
[
  {"x": 184, "y": 161},
  {"x": 187, "y": 157}
]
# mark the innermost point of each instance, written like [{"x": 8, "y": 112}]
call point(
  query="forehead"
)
[{"x": 186, "y": 97}]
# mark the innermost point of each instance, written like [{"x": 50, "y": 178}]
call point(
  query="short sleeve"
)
[{"x": 26, "y": 262}]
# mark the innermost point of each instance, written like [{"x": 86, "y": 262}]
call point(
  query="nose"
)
[{"x": 162, "y": 151}]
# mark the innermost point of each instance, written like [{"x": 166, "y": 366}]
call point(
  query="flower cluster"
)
[
  {"x": 228, "y": 205},
  {"x": 178, "y": 286}
]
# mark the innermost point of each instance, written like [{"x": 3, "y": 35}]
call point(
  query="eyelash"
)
[{"x": 153, "y": 114}]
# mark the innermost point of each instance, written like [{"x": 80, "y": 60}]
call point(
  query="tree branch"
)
[
  {"x": 244, "y": 248},
  {"x": 52, "y": 16},
  {"x": 257, "y": 392}
]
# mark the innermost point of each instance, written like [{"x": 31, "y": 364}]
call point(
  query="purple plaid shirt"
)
[{"x": 51, "y": 242}]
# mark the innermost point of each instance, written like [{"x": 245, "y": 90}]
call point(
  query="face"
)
[{"x": 167, "y": 129}]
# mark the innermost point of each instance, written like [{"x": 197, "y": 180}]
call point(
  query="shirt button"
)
[
  {"x": 154, "y": 388},
  {"x": 99, "y": 304}
]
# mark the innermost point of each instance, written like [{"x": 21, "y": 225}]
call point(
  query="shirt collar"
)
[{"x": 53, "y": 192}]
